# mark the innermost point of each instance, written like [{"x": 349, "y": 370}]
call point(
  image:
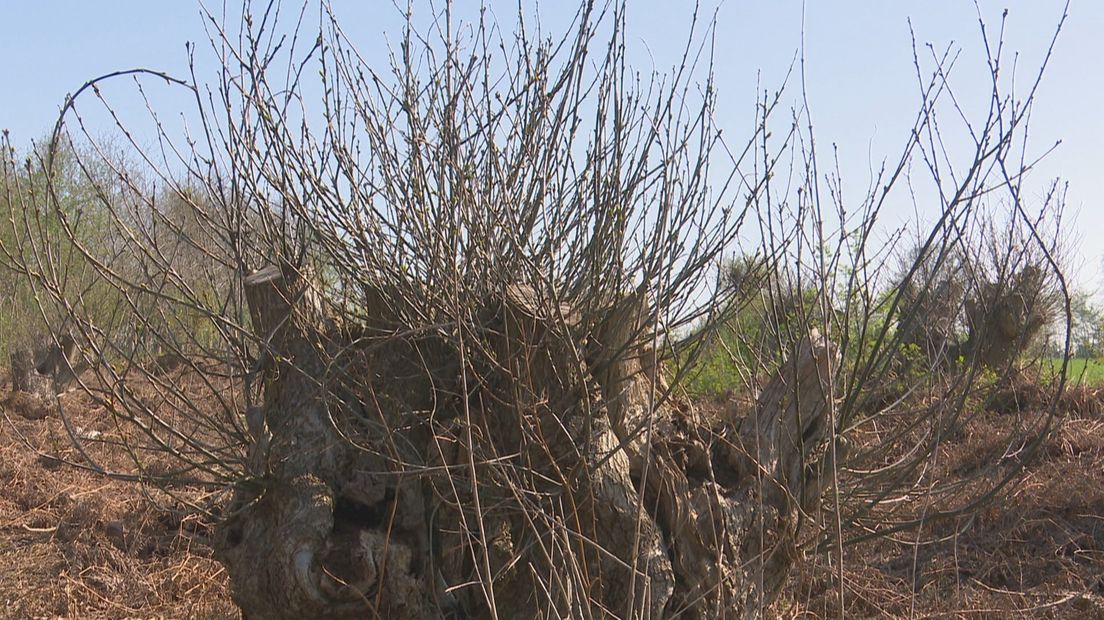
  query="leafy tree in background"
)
[{"x": 1088, "y": 325}]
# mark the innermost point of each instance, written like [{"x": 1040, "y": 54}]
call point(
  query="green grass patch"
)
[
  {"x": 1081, "y": 370},
  {"x": 714, "y": 376}
]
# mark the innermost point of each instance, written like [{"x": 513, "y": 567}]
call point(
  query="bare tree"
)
[{"x": 436, "y": 336}]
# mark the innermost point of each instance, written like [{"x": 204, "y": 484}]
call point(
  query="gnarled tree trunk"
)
[
  {"x": 1006, "y": 316},
  {"x": 533, "y": 469},
  {"x": 46, "y": 368},
  {"x": 24, "y": 374}
]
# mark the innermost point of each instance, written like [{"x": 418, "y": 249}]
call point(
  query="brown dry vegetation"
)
[
  {"x": 1036, "y": 552},
  {"x": 78, "y": 545}
]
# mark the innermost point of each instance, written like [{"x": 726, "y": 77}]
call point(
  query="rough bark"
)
[
  {"x": 1005, "y": 317},
  {"x": 46, "y": 368},
  {"x": 533, "y": 469},
  {"x": 321, "y": 530},
  {"x": 24, "y": 374}
]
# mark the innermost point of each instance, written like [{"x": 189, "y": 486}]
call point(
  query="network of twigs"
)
[{"x": 480, "y": 159}]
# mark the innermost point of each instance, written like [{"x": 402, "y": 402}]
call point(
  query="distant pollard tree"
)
[
  {"x": 36, "y": 334},
  {"x": 991, "y": 293}
]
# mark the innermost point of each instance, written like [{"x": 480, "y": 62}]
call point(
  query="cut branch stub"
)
[
  {"x": 794, "y": 411},
  {"x": 304, "y": 536},
  {"x": 788, "y": 439}
]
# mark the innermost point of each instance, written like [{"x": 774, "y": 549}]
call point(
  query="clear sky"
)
[{"x": 860, "y": 75}]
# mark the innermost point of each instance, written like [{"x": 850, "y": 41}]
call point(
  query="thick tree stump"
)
[
  {"x": 1005, "y": 317},
  {"x": 25, "y": 376},
  {"x": 46, "y": 368},
  {"x": 322, "y": 530},
  {"x": 37, "y": 375},
  {"x": 510, "y": 470}
]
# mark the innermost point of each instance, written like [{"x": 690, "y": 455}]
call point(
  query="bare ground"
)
[
  {"x": 1038, "y": 552},
  {"x": 76, "y": 544},
  {"x": 79, "y": 545}
]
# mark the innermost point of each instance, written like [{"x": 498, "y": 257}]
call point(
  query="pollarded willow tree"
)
[{"x": 436, "y": 318}]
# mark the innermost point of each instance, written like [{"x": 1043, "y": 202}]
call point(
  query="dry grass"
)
[
  {"x": 1037, "y": 553},
  {"x": 79, "y": 545}
]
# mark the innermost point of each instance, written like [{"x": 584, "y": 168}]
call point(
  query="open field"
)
[
  {"x": 81, "y": 546},
  {"x": 1082, "y": 371}
]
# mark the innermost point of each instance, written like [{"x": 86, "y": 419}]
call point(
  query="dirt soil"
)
[
  {"x": 1037, "y": 552},
  {"x": 76, "y": 544},
  {"x": 79, "y": 545}
]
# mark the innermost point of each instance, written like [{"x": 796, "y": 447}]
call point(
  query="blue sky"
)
[{"x": 860, "y": 75}]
